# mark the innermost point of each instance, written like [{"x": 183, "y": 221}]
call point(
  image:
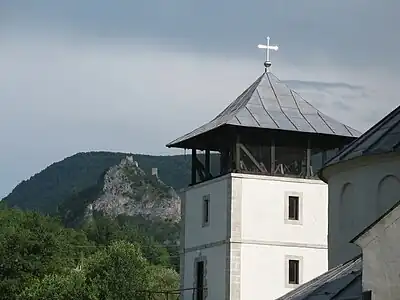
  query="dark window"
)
[
  {"x": 206, "y": 210},
  {"x": 294, "y": 271},
  {"x": 294, "y": 209},
  {"x": 200, "y": 280}
]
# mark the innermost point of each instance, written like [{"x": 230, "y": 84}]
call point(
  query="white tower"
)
[{"x": 256, "y": 226}]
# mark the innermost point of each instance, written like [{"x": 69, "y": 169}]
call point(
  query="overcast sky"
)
[{"x": 133, "y": 75}]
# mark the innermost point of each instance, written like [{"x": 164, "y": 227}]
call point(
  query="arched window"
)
[{"x": 388, "y": 194}]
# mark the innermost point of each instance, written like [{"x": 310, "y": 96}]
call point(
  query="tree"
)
[
  {"x": 71, "y": 285},
  {"x": 119, "y": 272},
  {"x": 33, "y": 246},
  {"x": 164, "y": 279}
]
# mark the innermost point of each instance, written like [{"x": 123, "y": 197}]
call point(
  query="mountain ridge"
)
[
  {"x": 124, "y": 189},
  {"x": 47, "y": 189}
]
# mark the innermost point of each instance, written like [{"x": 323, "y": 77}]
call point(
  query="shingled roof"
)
[{"x": 270, "y": 104}]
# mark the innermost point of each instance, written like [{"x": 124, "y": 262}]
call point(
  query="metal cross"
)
[{"x": 267, "y": 47}]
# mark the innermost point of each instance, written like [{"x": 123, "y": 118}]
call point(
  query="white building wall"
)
[
  {"x": 268, "y": 239},
  {"x": 216, "y": 231},
  {"x": 381, "y": 257},
  {"x": 215, "y": 265},
  {"x": 264, "y": 269},
  {"x": 249, "y": 240},
  {"x": 360, "y": 191},
  {"x": 264, "y": 203},
  {"x": 207, "y": 243}
]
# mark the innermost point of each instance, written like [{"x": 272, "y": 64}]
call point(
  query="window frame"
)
[
  {"x": 299, "y": 259},
  {"x": 288, "y": 220},
  {"x": 206, "y": 209}
]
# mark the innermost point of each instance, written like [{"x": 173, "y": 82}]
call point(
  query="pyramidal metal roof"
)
[
  {"x": 270, "y": 104},
  {"x": 384, "y": 137}
]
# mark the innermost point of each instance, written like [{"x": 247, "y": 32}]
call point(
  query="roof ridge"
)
[
  {"x": 270, "y": 104},
  {"x": 251, "y": 88},
  {"x": 277, "y": 99},
  {"x": 294, "y": 91},
  {"x": 373, "y": 129},
  {"x": 309, "y": 103}
]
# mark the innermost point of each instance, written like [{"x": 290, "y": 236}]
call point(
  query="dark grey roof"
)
[
  {"x": 269, "y": 103},
  {"x": 383, "y": 137},
  {"x": 370, "y": 226},
  {"x": 341, "y": 282}
]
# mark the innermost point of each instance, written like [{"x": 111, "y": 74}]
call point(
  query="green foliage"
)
[
  {"x": 150, "y": 236},
  {"x": 62, "y": 180},
  {"x": 116, "y": 257},
  {"x": 71, "y": 285},
  {"x": 33, "y": 246},
  {"x": 40, "y": 259},
  {"x": 119, "y": 271}
]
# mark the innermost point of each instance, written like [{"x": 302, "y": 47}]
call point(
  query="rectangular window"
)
[
  {"x": 200, "y": 280},
  {"x": 206, "y": 210},
  {"x": 294, "y": 208},
  {"x": 294, "y": 272}
]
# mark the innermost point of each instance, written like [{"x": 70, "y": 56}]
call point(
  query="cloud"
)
[
  {"x": 101, "y": 78},
  {"x": 319, "y": 85},
  {"x": 357, "y": 32}
]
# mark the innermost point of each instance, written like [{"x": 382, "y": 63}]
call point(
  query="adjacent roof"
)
[
  {"x": 269, "y": 103},
  {"x": 341, "y": 282},
  {"x": 375, "y": 222},
  {"x": 384, "y": 137}
]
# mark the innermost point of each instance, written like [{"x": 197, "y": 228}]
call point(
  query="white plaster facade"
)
[
  {"x": 248, "y": 240},
  {"x": 360, "y": 191},
  {"x": 381, "y": 256}
]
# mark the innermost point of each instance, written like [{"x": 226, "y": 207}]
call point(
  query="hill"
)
[
  {"x": 46, "y": 190},
  {"x": 124, "y": 189}
]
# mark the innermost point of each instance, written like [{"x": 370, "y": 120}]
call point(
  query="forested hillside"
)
[
  {"x": 101, "y": 257},
  {"x": 46, "y": 190},
  {"x": 58, "y": 182}
]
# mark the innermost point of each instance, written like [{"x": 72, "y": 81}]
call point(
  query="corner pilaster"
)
[
  {"x": 234, "y": 236},
  {"x": 182, "y": 246}
]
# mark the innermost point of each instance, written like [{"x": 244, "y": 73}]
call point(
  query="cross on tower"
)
[{"x": 267, "y": 47}]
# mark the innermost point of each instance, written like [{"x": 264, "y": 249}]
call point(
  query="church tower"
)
[{"x": 254, "y": 225}]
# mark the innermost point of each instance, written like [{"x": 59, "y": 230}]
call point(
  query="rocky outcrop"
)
[{"x": 128, "y": 190}]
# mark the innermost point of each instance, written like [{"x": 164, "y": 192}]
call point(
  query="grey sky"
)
[{"x": 133, "y": 75}]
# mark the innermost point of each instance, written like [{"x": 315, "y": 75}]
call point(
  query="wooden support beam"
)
[
  {"x": 207, "y": 164},
  {"x": 273, "y": 159},
  {"x": 194, "y": 173},
  {"x": 237, "y": 157},
  {"x": 248, "y": 153},
  {"x": 308, "y": 158},
  {"x": 223, "y": 162},
  {"x": 200, "y": 169},
  {"x": 323, "y": 157}
]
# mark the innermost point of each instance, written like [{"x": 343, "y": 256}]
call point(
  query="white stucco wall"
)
[
  {"x": 263, "y": 206},
  {"x": 208, "y": 243},
  {"x": 248, "y": 241},
  {"x": 264, "y": 269},
  {"x": 195, "y": 233},
  {"x": 381, "y": 257},
  {"x": 268, "y": 239},
  {"x": 360, "y": 191},
  {"x": 215, "y": 265}
]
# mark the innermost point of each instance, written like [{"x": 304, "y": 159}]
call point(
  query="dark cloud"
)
[
  {"x": 319, "y": 85},
  {"x": 358, "y": 33},
  {"x": 132, "y": 75}
]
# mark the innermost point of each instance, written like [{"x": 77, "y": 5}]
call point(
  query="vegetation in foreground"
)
[{"x": 104, "y": 259}]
